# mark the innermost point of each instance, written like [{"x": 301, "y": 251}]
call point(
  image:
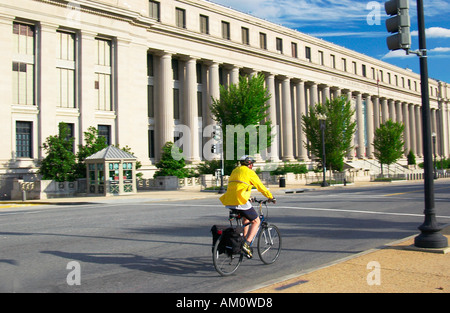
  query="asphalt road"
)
[{"x": 147, "y": 246}]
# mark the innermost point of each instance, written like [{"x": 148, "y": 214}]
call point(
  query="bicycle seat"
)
[{"x": 234, "y": 214}]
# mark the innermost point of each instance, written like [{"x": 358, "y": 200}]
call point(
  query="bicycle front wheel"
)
[
  {"x": 224, "y": 263},
  {"x": 269, "y": 244}
]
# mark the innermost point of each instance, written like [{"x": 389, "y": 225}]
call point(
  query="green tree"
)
[
  {"x": 60, "y": 162},
  {"x": 171, "y": 163},
  {"x": 93, "y": 144},
  {"x": 411, "y": 158},
  {"x": 388, "y": 143},
  {"x": 243, "y": 104},
  {"x": 339, "y": 130}
]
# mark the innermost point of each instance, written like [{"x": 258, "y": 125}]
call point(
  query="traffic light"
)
[{"x": 399, "y": 24}]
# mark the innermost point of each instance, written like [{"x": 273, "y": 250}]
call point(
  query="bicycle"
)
[{"x": 268, "y": 243}]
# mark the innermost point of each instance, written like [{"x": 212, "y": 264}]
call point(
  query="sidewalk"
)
[{"x": 398, "y": 267}]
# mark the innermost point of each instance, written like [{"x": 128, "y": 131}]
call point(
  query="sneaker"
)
[{"x": 247, "y": 250}]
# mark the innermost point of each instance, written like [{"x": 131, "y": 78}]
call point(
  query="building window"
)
[
  {"x": 245, "y": 36},
  {"x": 199, "y": 73},
  {"x": 175, "y": 70},
  {"x": 105, "y": 131},
  {"x": 199, "y": 104},
  {"x": 181, "y": 17},
  {"x": 24, "y": 135},
  {"x": 280, "y": 45},
  {"x": 364, "y": 70},
  {"x": 150, "y": 101},
  {"x": 176, "y": 104},
  {"x": 344, "y": 65},
  {"x": 355, "y": 69},
  {"x": 204, "y": 24},
  {"x": 333, "y": 61},
  {"x": 308, "y": 53},
  {"x": 294, "y": 50},
  {"x": 150, "y": 65},
  {"x": 321, "y": 59},
  {"x": 103, "y": 70},
  {"x": 23, "y": 65},
  {"x": 225, "y": 30},
  {"x": 154, "y": 8},
  {"x": 66, "y": 70},
  {"x": 151, "y": 143},
  {"x": 23, "y": 83},
  {"x": 263, "y": 41}
]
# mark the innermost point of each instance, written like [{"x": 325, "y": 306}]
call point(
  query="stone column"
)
[
  {"x": 325, "y": 93},
  {"x": 270, "y": 83},
  {"x": 444, "y": 129},
  {"x": 165, "y": 122},
  {"x": 234, "y": 75},
  {"x": 398, "y": 112},
  {"x": 391, "y": 105},
  {"x": 214, "y": 90},
  {"x": 313, "y": 94},
  {"x": 360, "y": 126},
  {"x": 412, "y": 129},
  {"x": 301, "y": 110},
  {"x": 45, "y": 70},
  {"x": 418, "y": 127},
  {"x": 384, "y": 111},
  {"x": 191, "y": 112},
  {"x": 370, "y": 127},
  {"x": 87, "y": 96},
  {"x": 287, "y": 135},
  {"x": 376, "y": 112},
  {"x": 406, "y": 123}
]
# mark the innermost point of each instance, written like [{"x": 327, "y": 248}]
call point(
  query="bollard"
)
[{"x": 24, "y": 195}]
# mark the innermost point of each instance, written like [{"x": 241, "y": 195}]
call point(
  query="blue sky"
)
[{"x": 360, "y": 26}]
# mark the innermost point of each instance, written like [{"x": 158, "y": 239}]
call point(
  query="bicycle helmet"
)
[{"x": 246, "y": 160}]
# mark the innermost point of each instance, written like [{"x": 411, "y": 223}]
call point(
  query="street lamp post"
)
[
  {"x": 430, "y": 236},
  {"x": 222, "y": 170},
  {"x": 433, "y": 135},
  {"x": 322, "y": 121}
]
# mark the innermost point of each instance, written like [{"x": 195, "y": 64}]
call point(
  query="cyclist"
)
[{"x": 237, "y": 196}]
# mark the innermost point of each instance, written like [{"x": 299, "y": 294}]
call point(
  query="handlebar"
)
[{"x": 253, "y": 199}]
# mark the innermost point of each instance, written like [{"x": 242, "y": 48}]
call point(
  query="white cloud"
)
[
  {"x": 397, "y": 54},
  {"x": 293, "y": 13},
  {"x": 434, "y": 32},
  {"x": 440, "y": 50}
]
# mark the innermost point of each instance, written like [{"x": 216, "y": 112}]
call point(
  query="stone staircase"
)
[{"x": 374, "y": 167}]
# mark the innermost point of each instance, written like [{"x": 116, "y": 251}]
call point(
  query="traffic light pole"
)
[{"x": 430, "y": 236}]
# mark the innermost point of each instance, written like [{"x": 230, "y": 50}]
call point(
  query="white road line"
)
[
  {"x": 357, "y": 211},
  {"x": 313, "y": 209}
]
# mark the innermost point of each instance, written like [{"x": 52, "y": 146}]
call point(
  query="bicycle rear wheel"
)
[
  {"x": 224, "y": 263},
  {"x": 269, "y": 244}
]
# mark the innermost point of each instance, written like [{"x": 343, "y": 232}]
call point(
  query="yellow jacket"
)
[{"x": 240, "y": 186}]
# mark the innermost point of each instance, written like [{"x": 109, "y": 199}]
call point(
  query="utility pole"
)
[
  {"x": 399, "y": 24},
  {"x": 430, "y": 236}
]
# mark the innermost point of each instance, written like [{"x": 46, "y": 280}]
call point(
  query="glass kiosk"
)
[{"x": 111, "y": 172}]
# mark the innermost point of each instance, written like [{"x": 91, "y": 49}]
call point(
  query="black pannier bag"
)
[
  {"x": 233, "y": 238},
  {"x": 217, "y": 231}
]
